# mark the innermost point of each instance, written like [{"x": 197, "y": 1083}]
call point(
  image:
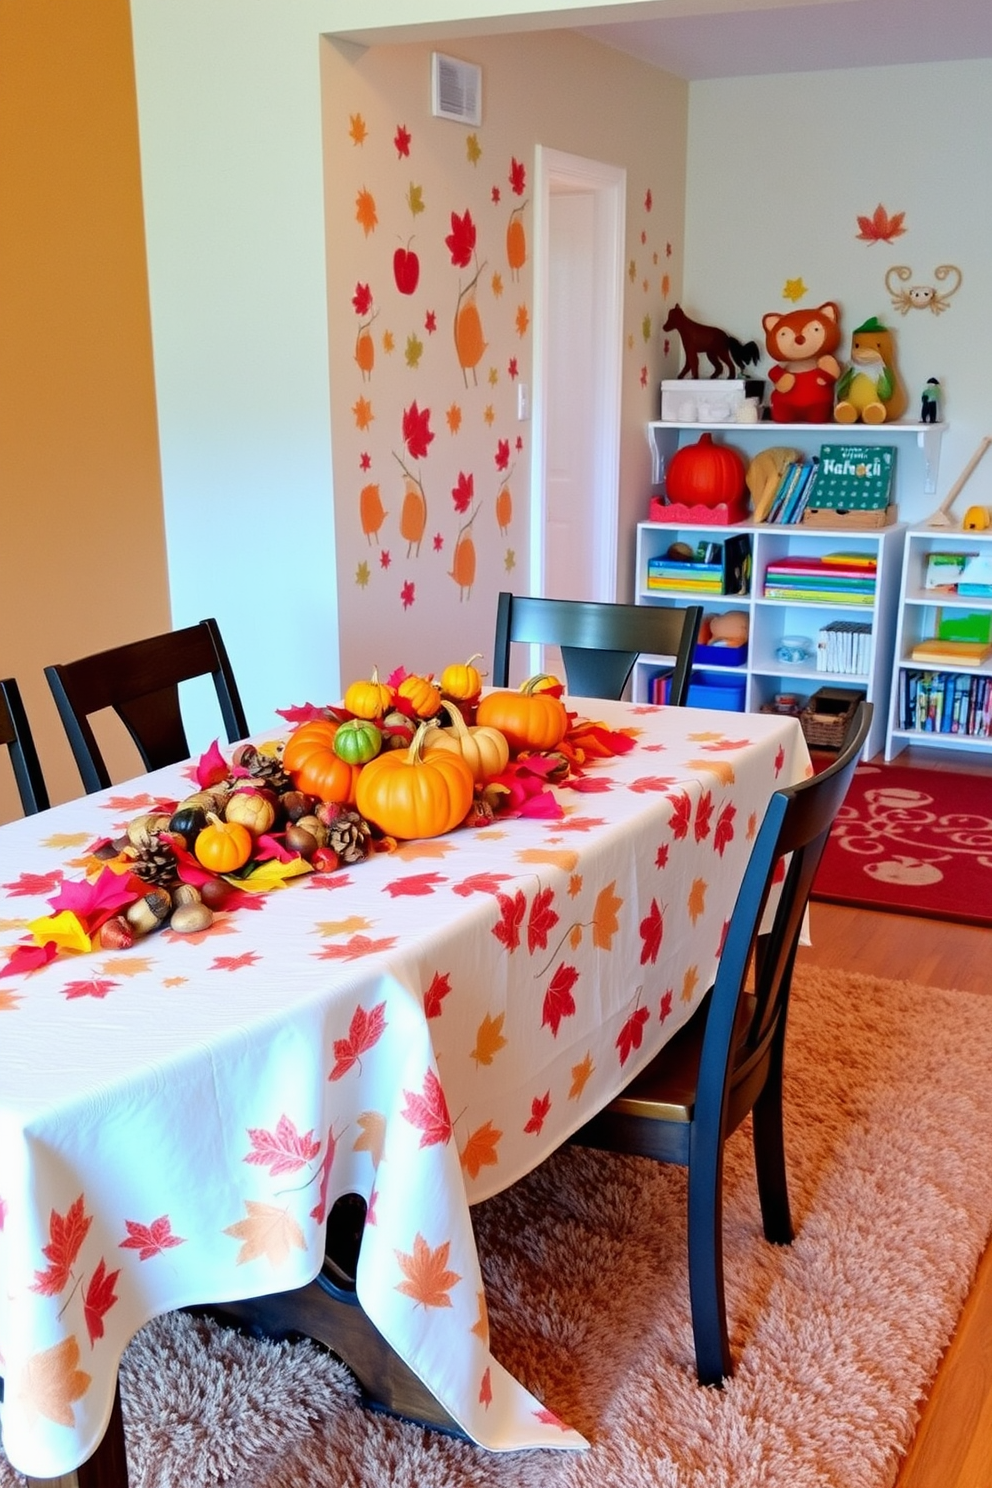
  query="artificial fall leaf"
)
[
  {"x": 428, "y": 1280},
  {"x": 652, "y": 929},
  {"x": 460, "y": 242},
  {"x": 25, "y": 958},
  {"x": 150, "y": 1240},
  {"x": 558, "y": 1000},
  {"x": 704, "y": 816},
  {"x": 52, "y": 1380},
  {"x": 561, "y": 858},
  {"x": 357, "y": 130},
  {"x": 689, "y": 983},
  {"x": 632, "y": 1033},
  {"x": 539, "y": 1108},
  {"x": 415, "y": 199},
  {"x": 880, "y": 227},
  {"x": 365, "y": 212},
  {"x": 211, "y": 768},
  {"x": 62, "y": 930},
  {"x": 428, "y": 1112},
  {"x": 414, "y": 885},
  {"x": 681, "y": 815},
  {"x": 489, "y": 1040},
  {"x": 364, "y": 1032},
  {"x": 581, "y": 1074},
  {"x": 93, "y": 901},
  {"x": 480, "y": 883},
  {"x": 356, "y": 947},
  {"x": 373, "y": 1137},
  {"x": 696, "y": 902},
  {"x": 724, "y": 832},
  {"x": 98, "y": 1299},
  {"x": 604, "y": 917},
  {"x": 273, "y": 874},
  {"x": 723, "y": 771},
  {"x": 267, "y": 1231},
  {"x": 66, "y": 1233},
  {"x": 34, "y": 884},
  {"x": 480, "y": 1151},
  {"x": 511, "y": 914},
  {"x": 541, "y": 920},
  {"x": 284, "y": 1150}
]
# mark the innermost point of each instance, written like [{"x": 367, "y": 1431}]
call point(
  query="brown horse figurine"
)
[{"x": 699, "y": 340}]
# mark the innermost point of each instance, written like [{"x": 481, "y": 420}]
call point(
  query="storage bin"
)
[
  {"x": 717, "y": 690},
  {"x": 702, "y": 400},
  {"x": 721, "y": 656}
]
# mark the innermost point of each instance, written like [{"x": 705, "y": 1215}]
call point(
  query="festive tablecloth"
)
[{"x": 421, "y": 1028}]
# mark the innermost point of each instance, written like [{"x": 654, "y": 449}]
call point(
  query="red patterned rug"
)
[{"x": 914, "y": 841}]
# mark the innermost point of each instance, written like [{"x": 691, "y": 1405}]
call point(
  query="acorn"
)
[
  {"x": 149, "y": 912},
  {"x": 315, "y": 826},
  {"x": 296, "y": 803},
  {"x": 298, "y": 840},
  {"x": 189, "y": 919},
  {"x": 214, "y": 893},
  {"x": 185, "y": 893},
  {"x": 116, "y": 934}
]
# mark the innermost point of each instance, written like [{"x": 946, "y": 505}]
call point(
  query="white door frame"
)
[{"x": 555, "y": 170}]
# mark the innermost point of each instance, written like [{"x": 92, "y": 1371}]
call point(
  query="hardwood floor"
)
[{"x": 953, "y": 1445}]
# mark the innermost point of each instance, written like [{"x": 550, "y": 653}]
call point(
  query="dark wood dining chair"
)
[
  {"x": 727, "y": 1060},
  {"x": 599, "y": 642},
  {"x": 15, "y": 732},
  {"x": 140, "y": 681}
]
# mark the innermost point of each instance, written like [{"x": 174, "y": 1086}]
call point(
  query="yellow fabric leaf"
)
[
  {"x": 558, "y": 858},
  {"x": 267, "y": 1231},
  {"x": 580, "y": 1077},
  {"x": 480, "y": 1151},
  {"x": 696, "y": 902},
  {"x": 373, "y": 1138},
  {"x": 342, "y": 927},
  {"x": 52, "y": 1380},
  {"x": 428, "y": 1280},
  {"x": 64, "y": 929},
  {"x": 689, "y": 983},
  {"x": 270, "y": 875},
  {"x": 604, "y": 919},
  {"x": 488, "y": 1039},
  {"x": 723, "y": 772}
]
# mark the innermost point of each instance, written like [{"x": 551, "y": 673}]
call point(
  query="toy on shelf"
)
[
  {"x": 930, "y": 402},
  {"x": 720, "y": 349},
  {"x": 764, "y": 475},
  {"x": 802, "y": 343},
  {"x": 870, "y": 389},
  {"x": 942, "y": 516}
]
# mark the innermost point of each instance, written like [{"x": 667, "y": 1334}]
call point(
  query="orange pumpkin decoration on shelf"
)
[
  {"x": 409, "y": 795},
  {"x": 313, "y": 766},
  {"x": 531, "y": 719},
  {"x": 706, "y": 474}
]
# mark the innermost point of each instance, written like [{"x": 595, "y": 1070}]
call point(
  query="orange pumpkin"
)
[
  {"x": 369, "y": 699},
  {"x": 408, "y": 795},
  {"x": 312, "y": 765},
  {"x": 463, "y": 683},
  {"x": 705, "y": 474},
  {"x": 530, "y": 720},
  {"x": 422, "y": 693},
  {"x": 223, "y": 847}
]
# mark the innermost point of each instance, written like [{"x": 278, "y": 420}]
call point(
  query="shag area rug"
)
[
  {"x": 889, "y": 1112},
  {"x": 915, "y": 841}
]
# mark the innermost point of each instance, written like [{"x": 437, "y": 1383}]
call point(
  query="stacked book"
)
[
  {"x": 946, "y": 703},
  {"x": 686, "y": 576},
  {"x": 793, "y": 493},
  {"x": 844, "y": 646},
  {"x": 834, "y": 578}
]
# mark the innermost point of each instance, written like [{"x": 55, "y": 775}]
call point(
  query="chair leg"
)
[
  {"x": 769, "y": 1160},
  {"x": 706, "y": 1293}
]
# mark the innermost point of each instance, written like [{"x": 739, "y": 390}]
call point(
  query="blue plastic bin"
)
[{"x": 717, "y": 690}]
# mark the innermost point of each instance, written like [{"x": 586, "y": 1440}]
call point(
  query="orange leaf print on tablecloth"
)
[
  {"x": 561, "y": 858},
  {"x": 429, "y": 1112},
  {"x": 51, "y": 1380},
  {"x": 480, "y": 1151},
  {"x": 373, "y": 1137},
  {"x": 268, "y": 1233},
  {"x": 488, "y": 1039},
  {"x": 428, "y": 1280},
  {"x": 696, "y": 902},
  {"x": 604, "y": 917},
  {"x": 581, "y": 1074},
  {"x": 689, "y": 983},
  {"x": 720, "y": 768}
]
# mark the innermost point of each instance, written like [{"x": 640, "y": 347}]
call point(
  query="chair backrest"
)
[
  {"x": 16, "y": 734},
  {"x": 140, "y": 681},
  {"x": 741, "y": 1026},
  {"x": 599, "y": 642}
]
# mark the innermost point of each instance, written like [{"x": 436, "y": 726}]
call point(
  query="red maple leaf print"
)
[
  {"x": 281, "y": 1151},
  {"x": 401, "y": 139},
  {"x": 355, "y": 948},
  {"x": 98, "y": 1299},
  {"x": 319, "y": 1210},
  {"x": 651, "y": 783},
  {"x": 460, "y": 242},
  {"x": 364, "y": 1032},
  {"x": 681, "y": 815},
  {"x": 539, "y": 1108},
  {"x": 480, "y": 883},
  {"x": 511, "y": 911},
  {"x": 417, "y": 434},
  {"x": 665, "y": 1007},
  {"x": 541, "y": 920},
  {"x": 92, "y": 987},
  {"x": 362, "y": 299},
  {"x": 414, "y": 885},
  {"x": 704, "y": 814},
  {"x": 632, "y": 1033},
  {"x": 408, "y": 593},
  {"x": 502, "y": 456},
  {"x": 517, "y": 177},
  {"x": 880, "y": 227},
  {"x": 652, "y": 930},
  {"x": 558, "y": 1000},
  {"x": 463, "y": 494},
  {"x": 150, "y": 1240},
  {"x": 661, "y": 856},
  {"x": 724, "y": 832},
  {"x": 779, "y": 761},
  {"x": 66, "y": 1233},
  {"x": 329, "y": 880},
  {"x": 35, "y": 884},
  {"x": 430, "y": 322},
  {"x": 429, "y": 1112},
  {"x": 436, "y": 993},
  {"x": 234, "y": 963}
]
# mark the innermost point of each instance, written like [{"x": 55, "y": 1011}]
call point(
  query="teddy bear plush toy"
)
[
  {"x": 802, "y": 343},
  {"x": 870, "y": 389}
]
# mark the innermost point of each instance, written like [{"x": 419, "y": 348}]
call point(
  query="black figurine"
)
[{"x": 928, "y": 402}]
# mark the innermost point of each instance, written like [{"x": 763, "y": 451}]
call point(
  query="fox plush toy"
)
[{"x": 802, "y": 342}]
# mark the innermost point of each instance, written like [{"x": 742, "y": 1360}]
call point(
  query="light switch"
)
[{"x": 523, "y": 401}]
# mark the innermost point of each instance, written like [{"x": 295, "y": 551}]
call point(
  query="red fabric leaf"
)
[
  {"x": 681, "y": 815},
  {"x": 66, "y": 1233},
  {"x": 92, "y": 903},
  {"x": 541, "y": 920},
  {"x": 301, "y": 713},
  {"x": 283, "y": 1150},
  {"x": 436, "y": 993},
  {"x": 212, "y": 767},
  {"x": 539, "y": 1108},
  {"x": 414, "y": 885},
  {"x": 724, "y": 827},
  {"x": 28, "y": 958},
  {"x": 558, "y": 1000},
  {"x": 652, "y": 930},
  {"x": 429, "y": 1112},
  {"x": 460, "y": 241},
  {"x": 150, "y": 1240},
  {"x": 632, "y": 1033},
  {"x": 364, "y": 1032},
  {"x": 99, "y": 1298},
  {"x": 511, "y": 911}
]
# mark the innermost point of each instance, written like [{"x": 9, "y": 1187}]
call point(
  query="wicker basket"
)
[{"x": 825, "y": 718}]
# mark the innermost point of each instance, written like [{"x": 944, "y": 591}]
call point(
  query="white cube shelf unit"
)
[{"x": 912, "y": 720}]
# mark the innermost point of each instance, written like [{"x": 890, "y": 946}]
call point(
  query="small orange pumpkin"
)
[
  {"x": 463, "y": 683},
  {"x": 223, "y": 847},
  {"x": 530, "y": 720},
  {"x": 408, "y": 795},
  {"x": 312, "y": 765},
  {"x": 422, "y": 693},
  {"x": 369, "y": 699}
]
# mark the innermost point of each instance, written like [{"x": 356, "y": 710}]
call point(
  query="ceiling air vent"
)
[{"x": 456, "y": 89}]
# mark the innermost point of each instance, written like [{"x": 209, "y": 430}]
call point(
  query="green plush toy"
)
[{"x": 870, "y": 389}]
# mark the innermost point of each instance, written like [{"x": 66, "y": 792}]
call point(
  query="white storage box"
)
[{"x": 701, "y": 400}]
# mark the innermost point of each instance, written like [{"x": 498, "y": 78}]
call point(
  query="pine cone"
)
[
  {"x": 155, "y": 862},
  {"x": 265, "y": 768},
  {"x": 349, "y": 836}
]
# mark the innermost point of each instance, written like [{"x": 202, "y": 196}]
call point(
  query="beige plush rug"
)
[{"x": 889, "y": 1106}]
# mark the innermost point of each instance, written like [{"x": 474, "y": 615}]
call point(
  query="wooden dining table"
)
[{"x": 416, "y": 1031}]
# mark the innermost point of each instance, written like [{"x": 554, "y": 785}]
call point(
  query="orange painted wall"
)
[{"x": 82, "y": 543}]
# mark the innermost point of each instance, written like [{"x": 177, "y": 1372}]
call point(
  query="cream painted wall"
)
[
  {"x": 780, "y": 168},
  {"x": 399, "y": 604}
]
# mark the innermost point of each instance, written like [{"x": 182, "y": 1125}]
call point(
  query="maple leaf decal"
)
[
  {"x": 234, "y": 963},
  {"x": 632, "y": 1033},
  {"x": 267, "y": 1232},
  {"x": 460, "y": 242},
  {"x": 724, "y": 832},
  {"x": 681, "y": 815},
  {"x": 428, "y": 1280},
  {"x": 539, "y": 1108},
  {"x": 880, "y": 227},
  {"x": 517, "y": 177},
  {"x": 283, "y": 1150},
  {"x": 704, "y": 815},
  {"x": 415, "y": 884},
  {"x": 488, "y": 1039},
  {"x": 52, "y": 1380},
  {"x": 66, "y": 1233},
  {"x": 541, "y": 920},
  {"x": 365, "y": 212},
  {"x": 355, "y": 948},
  {"x": 364, "y": 1032},
  {"x": 98, "y": 1299},
  {"x": 401, "y": 139},
  {"x": 463, "y": 494},
  {"x": 480, "y": 1151},
  {"x": 150, "y": 1240},
  {"x": 34, "y": 884},
  {"x": 436, "y": 993},
  {"x": 652, "y": 929},
  {"x": 558, "y": 1000},
  {"x": 511, "y": 911},
  {"x": 428, "y": 1112},
  {"x": 604, "y": 917},
  {"x": 417, "y": 435}
]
